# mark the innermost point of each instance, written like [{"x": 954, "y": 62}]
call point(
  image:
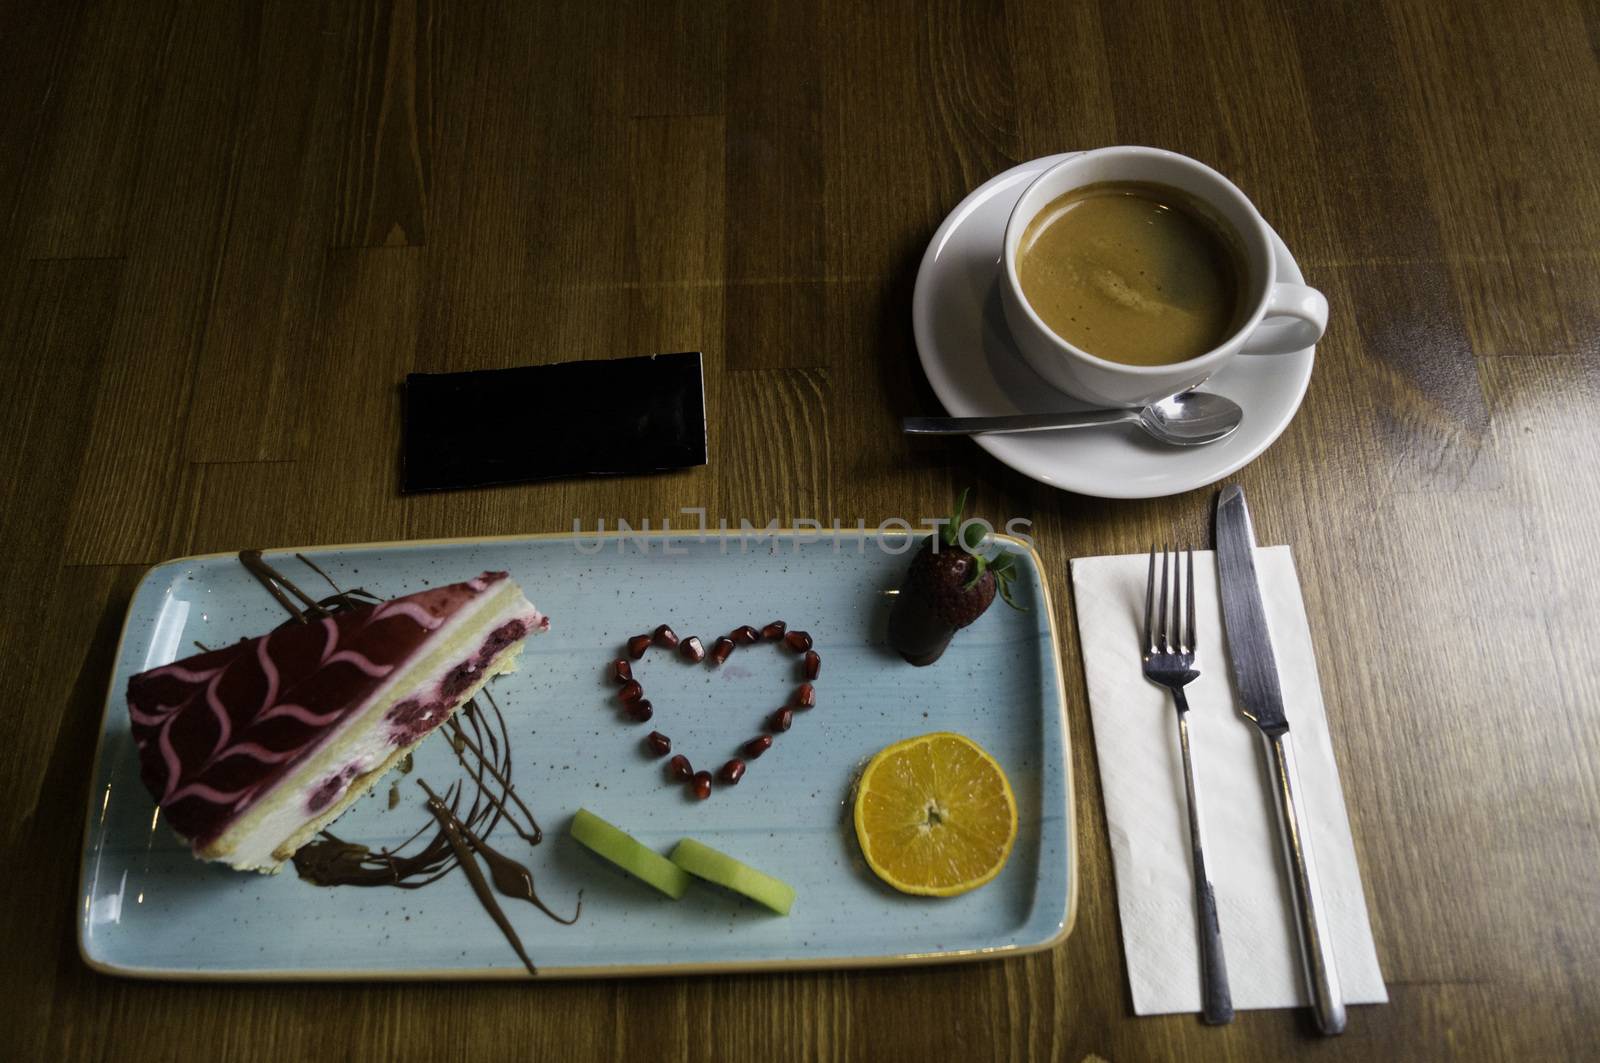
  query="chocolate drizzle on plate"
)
[
  {"x": 510, "y": 877},
  {"x": 281, "y": 588},
  {"x": 464, "y": 816},
  {"x": 461, "y": 740}
]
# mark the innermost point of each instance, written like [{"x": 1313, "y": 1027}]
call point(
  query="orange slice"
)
[{"x": 935, "y": 815}]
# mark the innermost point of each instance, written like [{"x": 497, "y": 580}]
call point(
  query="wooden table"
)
[{"x": 229, "y": 230}]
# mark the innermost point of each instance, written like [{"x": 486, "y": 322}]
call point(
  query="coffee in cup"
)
[
  {"x": 1092, "y": 325},
  {"x": 1133, "y": 272}
]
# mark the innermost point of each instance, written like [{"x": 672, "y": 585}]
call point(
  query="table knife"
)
[{"x": 1255, "y": 673}]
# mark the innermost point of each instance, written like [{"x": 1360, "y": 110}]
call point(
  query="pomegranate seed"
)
[
  {"x": 732, "y": 772},
  {"x": 666, "y": 637},
  {"x": 702, "y": 785},
  {"x": 720, "y": 649},
  {"x": 805, "y": 696},
  {"x": 774, "y": 631},
  {"x": 637, "y": 645},
  {"x": 679, "y": 770},
  {"x": 813, "y": 664},
  {"x": 630, "y": 692},
  {"x": 781, "y": 720},
  {"x": 659, "y": 744},
  {"x": 692, "y": 650},
  {"x": 798, "y": 641},
  {"x": 640, "y": 710},
  {"x": 757, "y": 746},
  {"x": 621, "y": 670},
  {"x": 745, "y": 635}
]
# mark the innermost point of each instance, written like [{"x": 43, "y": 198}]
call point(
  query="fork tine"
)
[
  {"x": 1150, "y": 601},
  {"x": 1193, "y": 640},
  {"x": 1177, "y": 599},
  {"x": 1164, "y": 646}
]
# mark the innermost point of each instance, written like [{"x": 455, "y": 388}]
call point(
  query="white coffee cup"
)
[{"x": 1107, "y": 383}]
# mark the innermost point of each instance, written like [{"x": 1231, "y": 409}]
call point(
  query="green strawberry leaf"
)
[
  {"x": 948, "y": 532},
  {"x": 978, "y": 565},
  {"x": 1005, "y": 595},
  {"x": 1005, "y": 570}
]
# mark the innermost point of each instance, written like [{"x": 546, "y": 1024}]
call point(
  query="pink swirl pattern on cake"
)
[{"x": 216, "y": 730}]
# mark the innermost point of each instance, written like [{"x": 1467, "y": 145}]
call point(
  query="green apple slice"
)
[
  {"x": 630, "y": 854},
  {"x": 722, "y": 869}
]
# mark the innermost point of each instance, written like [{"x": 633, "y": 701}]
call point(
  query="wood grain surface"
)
[{"x": 227, "y": 231}]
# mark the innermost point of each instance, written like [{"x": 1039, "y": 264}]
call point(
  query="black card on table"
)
[{"x": 540, "y": 422}]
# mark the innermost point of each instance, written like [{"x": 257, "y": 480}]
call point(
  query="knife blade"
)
[
  {"x": 1255, "y": 666},
  {"x": 1255, "y": 673}
]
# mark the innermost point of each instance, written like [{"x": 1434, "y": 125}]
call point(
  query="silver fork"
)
[{"x": 1169, "y": 660}]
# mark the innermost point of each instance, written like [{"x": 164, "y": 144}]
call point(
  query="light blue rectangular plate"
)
[{"x": 149, "y": 909}]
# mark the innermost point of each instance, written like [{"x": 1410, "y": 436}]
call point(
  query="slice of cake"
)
[{"x": 252, "y": 749}]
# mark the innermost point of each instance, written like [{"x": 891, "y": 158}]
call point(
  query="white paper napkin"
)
[{"x": 1141, "y": 773}]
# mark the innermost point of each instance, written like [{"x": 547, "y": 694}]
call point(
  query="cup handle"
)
[{"x": 1307, "y": 310}]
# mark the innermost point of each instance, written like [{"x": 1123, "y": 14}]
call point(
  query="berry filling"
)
[{"x": 332, "y": 787}]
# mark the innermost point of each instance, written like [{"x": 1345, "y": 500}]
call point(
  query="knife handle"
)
[{"x": 1316, "y": 941}]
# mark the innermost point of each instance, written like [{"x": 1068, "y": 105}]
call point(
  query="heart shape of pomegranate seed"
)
[{"x": 692, "y": 650}]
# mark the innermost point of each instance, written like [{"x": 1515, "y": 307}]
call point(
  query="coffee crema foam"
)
[{"x": 1133, "y": 272}]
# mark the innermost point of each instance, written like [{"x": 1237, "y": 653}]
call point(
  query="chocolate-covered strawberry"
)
[{"x": 948, "y": 586}]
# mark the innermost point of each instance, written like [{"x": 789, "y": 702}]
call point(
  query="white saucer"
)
[{"x": 969, "y": 358}]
